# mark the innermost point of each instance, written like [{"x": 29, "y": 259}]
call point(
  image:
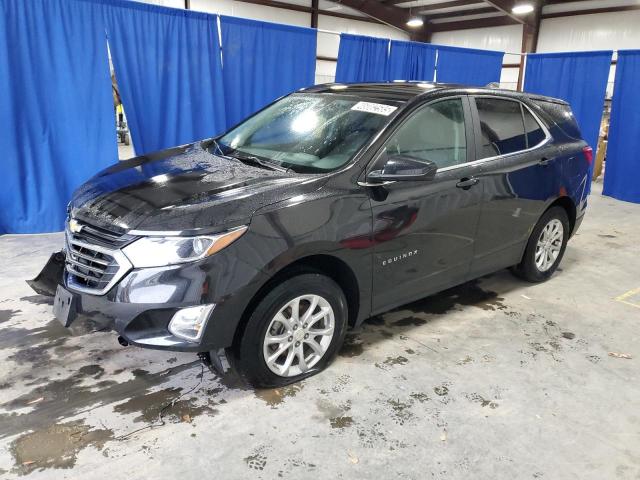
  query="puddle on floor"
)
[
  {"x": 63, "y": 398},
  {"x": 467, "y": 294},
  {"x": 56, "y": 446},
  {"x": 275, "y": 396}
]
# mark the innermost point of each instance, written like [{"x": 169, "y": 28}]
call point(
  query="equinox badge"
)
[{"x": 397, "y": 258}]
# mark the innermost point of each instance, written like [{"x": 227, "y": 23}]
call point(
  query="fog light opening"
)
[{"x": 189, "y": 323}]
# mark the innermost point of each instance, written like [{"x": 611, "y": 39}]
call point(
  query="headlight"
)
[{"x": 161, "y": 251}]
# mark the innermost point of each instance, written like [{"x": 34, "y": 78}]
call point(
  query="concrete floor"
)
[
  {"x": 494, "y": 379},
  {"x": 125, "y": 152}
]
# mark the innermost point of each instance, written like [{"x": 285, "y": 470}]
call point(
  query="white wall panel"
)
[
  {"x": 325, "y": 71},
  {"x": 506, "y": 39},
  {"x": 604, "y": 31},
  {"x": 509, "y": 78},
  {"x": 254, "y": 12},
  {"x": 360, "y": 28},
  {"x": 167, "y": 3},
  {"x": 328, "y": 44},
  {"x": 339, "y": 8}
]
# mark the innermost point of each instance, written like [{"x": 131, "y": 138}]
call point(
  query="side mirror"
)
[{"x": 404, "y": 168}]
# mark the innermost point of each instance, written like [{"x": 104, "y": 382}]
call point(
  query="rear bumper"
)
[
  {"x": 141, "y": 305},
  {"x": 577, "y": 224}
]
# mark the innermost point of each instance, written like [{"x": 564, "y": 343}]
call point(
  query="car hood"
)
[{"x": 185, "y": 188}]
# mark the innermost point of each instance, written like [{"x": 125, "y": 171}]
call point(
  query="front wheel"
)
[
  {"x": 545, "y": 247},
  {"x": 294, "y": 332}
]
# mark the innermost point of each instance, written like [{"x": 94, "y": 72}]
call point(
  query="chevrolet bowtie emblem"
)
[{"x": 74, "y": 226}]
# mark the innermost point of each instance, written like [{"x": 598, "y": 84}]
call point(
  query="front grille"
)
[
  {"x": 102, "y": 236},
  {"x": 94, "y": 261}
]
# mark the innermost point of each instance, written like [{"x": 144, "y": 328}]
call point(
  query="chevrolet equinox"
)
[{"x": 330, "y": 205}]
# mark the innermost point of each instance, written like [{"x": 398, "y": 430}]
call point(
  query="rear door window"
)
[{"x": 501, "y": 126}]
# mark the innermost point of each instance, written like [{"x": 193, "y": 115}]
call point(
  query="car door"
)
[
  {"x": 424, "y": 230},
  {"x": 517, "y": 163}
]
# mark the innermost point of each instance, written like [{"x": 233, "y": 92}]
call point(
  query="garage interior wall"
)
[
  {"x": 604, "y": 31},
  {"x": 505, "y": 39},
  {"x": 327, "y": 43}
]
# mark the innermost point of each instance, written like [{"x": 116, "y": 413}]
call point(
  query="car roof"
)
[{"x": 404, "y": 91}]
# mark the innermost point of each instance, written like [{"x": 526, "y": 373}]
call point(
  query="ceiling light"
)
[
  {"x": 415, "y": 22},
  {"x": 522, "y": 9}
]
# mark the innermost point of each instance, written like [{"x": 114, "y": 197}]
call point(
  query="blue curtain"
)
[
  {"x": 580, "y": 78},
  {"x": 263, "y": 61},
  {"x": 622, "y": 173},
  {"x": 57, "y": 123},
  {"x": 362, "y": 59},
  {"x": 412, "y": 61},
  {"x": 468, "y": 66},
  {"x": 168, "y": 68}
]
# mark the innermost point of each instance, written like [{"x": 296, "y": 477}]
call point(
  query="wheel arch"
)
[
  {"x": 331, "y": 266},
  {"x": 569, "y": 206}
]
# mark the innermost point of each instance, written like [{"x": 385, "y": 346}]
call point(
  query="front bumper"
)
[{"x": 141, "y": 305}]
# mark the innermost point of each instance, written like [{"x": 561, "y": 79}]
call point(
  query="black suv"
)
[{"x": 328, "y": 206}]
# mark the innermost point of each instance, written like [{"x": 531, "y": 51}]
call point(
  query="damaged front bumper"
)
[{"x": 141, "y": 305}]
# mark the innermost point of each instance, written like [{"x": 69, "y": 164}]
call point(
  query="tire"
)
[
  {"x": 249, "y": 354},
  {"x": 534, "y": 272}
]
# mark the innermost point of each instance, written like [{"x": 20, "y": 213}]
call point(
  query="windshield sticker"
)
[{"x": 377, "y": 108}]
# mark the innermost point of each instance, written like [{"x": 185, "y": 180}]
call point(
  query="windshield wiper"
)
[
  {"x": 252, "y": 159},
  {"x": 215, "y": 142}
]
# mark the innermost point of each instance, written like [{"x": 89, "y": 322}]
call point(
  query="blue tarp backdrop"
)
[
  {"x": 412, "y": 61},
  {"x": 468, "y": 66},
  {"x": 167, "y": 64},
  {"x": 580, "y": 78},
  {"x": 56, "y": 112},
  {"x": 362, "y": 59},
  {"x": 263, "y": 61},
  {"x": 621, "y": 177}
]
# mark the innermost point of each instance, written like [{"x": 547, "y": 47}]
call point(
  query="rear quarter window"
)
[{"x": 562, "y": 116}]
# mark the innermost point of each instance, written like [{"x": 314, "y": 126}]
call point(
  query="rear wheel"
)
[
  {"x": 294, "y": 332},
  {"x": 545, "y": 247}
]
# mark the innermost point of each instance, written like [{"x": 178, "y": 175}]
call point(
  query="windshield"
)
[{"x": 308, "y": 133}]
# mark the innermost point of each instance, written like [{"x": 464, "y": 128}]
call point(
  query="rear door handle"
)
[
  {"x": 467, "y": 183},
  {"x": 544, "y": 161}
]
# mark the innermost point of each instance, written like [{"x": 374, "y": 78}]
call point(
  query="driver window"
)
[{"x": 436, "y": 133}]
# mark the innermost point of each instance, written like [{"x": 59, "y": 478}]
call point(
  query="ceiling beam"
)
[
  {"x": 591, "y": 11},
  {"x": 391, "y": 15},
  {"x": 302, "y": 8},
  {"x": 530, "y": 35},
  {"x": 315, "y": 10},
  {"x": 452, "y": 4},
  {"x": 476, "y": 23},
  {"x": 396, "y": 2},
  {"x": 506, "y": 6},
  {"x": 460, "y": 13},
  {"x": 562, "y": 2}
]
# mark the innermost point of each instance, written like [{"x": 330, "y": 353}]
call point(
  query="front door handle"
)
[{"x": 467, "y": 183}]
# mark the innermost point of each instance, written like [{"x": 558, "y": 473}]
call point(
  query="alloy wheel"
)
[
  {"x": 549, "y": 245},
  {"x": 299, "y": 335}
]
